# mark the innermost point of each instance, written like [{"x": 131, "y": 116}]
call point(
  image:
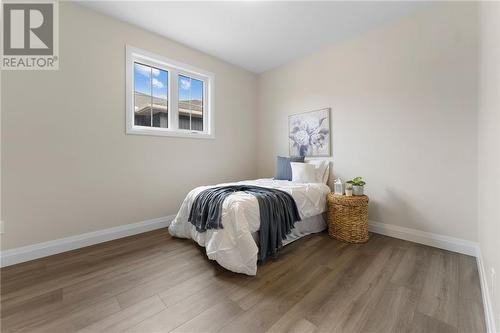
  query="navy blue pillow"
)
[{"x": 283, "y": 168}]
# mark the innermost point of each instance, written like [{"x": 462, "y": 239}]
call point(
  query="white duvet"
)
[{"x": 233, "y": 246}]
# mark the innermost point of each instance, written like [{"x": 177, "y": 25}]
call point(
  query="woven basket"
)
[{"x": 348, "y": 218}]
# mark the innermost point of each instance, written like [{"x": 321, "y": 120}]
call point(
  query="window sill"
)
[{"x": 168, "y": 132}]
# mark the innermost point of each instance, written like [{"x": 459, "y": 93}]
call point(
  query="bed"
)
[{"x": 235, "y": 246}]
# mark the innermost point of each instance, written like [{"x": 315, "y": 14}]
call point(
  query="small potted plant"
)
[
  {"x": 357, "y": 185},
  {"x": 348, "y": 189}
]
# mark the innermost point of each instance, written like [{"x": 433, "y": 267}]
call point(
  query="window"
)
[
  {"x": 150, "y": 96},
  {"x": 190, "y": 103},
  {"x": 168, "y": 98}
]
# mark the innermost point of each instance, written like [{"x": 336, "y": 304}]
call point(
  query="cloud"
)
[
  {"x": 143, "y": 70},
  {"x": 157, "y": 83},
  {"x": 146, "y": 70},
  {"x": 185, "y": 84}
]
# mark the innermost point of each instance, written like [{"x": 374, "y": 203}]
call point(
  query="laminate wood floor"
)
[{"x": 154, "y": 283}]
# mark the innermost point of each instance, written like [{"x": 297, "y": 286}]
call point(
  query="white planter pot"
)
[
  {"x": 357, "y": 190},
  {"x": 348, "y": 193}
]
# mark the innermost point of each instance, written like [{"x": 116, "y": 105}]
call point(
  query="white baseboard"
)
[
  {"x": 35, "y": 251},
  {"x": 426, "y": 238},
  {"x": 489, "y": 315}
]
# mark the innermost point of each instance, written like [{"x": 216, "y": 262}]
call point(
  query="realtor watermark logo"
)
[{"x": 30, "y": 39}]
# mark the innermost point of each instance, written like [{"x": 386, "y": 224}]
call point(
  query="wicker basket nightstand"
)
[{"x": 348, "y": 218}]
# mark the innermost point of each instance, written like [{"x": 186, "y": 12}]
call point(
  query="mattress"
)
[{"x": 234, "y": 246}]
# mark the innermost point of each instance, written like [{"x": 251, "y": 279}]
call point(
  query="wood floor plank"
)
[
  {"x": 155, "y": 283},
  {"x": 322, "y": 291},
  {"x": 178, "y": 292},
  {"x": 470, "y": 306},
  {"x": 353, "y": 309},
  {"x": 285, "y": 276},
  {"x": 180, "y": 313},
  {"x": 66, "y": 265},
  {"x": 273, "y": 271},
  {"x": 85, "y": 292},
  {"x": 279, "y": 298},
  {"x": 425, "y": 324},
  {"x": 470, "y": 315},
  {"x": 367, "y": 272},
  {"x": 165, "y": 268},
  {"x": 126, "y": 318},
  {"x": 398, "y": 301},
  {"x": 470, "y": 286},
  {"x": 78, "y": 275},
  {"x": 440, "y": 293},
  {"x": 300, "y": 326},
  {"x": 212, "y": 319},
  {"x": 412, "y": 270},
  {"x": 171, "y": 287},
  {"x": 71, "y": 321},
  {"x": 24, "y": 305}
]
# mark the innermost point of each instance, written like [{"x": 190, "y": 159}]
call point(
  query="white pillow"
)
[
  {"x": 322, "y": 168},
  {"x": 303, "y": 173}
]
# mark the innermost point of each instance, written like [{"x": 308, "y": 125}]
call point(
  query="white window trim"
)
[{"x": 174, "y": 68}]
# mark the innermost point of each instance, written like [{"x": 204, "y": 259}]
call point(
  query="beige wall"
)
[
  {"x": 404, "y": 100},
  {"x": 489, "y": 149},
  {"x": 67, "y": 165}
]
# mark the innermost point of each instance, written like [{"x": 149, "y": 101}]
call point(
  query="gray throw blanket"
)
[{"x": 278, "y": 214}]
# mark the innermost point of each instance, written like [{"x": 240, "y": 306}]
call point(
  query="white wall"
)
[
  {"x": 489, "y": 149},
  {"x": 404, "y": 100},
  {"x": 67, "y": 165}
]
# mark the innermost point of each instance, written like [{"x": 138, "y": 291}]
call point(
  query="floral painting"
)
[{"x": 309, "y": 133}]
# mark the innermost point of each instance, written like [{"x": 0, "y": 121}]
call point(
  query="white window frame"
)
[{"x": 174, "y": 69}]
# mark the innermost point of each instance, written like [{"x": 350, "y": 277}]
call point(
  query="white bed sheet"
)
[{"x": 233, "y": 246}]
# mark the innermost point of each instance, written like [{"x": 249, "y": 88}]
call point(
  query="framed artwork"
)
[{"x": 309, "y": 133}]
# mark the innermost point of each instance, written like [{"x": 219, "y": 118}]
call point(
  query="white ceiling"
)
[{"x": 255, "y": 35}]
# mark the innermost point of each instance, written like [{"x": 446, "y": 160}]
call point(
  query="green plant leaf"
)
[{"x": 358, "y": 181}]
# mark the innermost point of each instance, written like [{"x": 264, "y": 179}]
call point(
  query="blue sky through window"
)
[
  {"x": 145, "y": 76},
  {"x": 190, "y": 89}
]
